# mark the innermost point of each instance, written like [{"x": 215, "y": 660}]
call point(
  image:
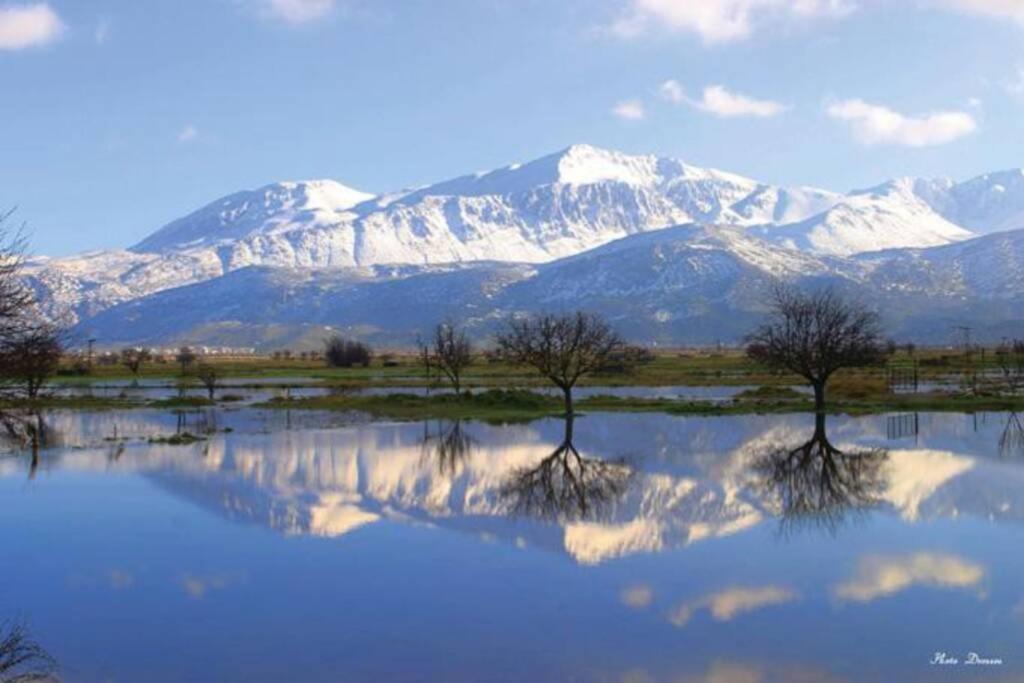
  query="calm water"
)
[{"x": 313, "y": 547}]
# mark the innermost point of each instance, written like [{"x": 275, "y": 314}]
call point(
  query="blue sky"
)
[{"x": 120, "y": 115}]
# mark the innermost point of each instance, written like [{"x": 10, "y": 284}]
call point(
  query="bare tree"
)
[
  {"x": 185, "y": 356},
  {"x": 562, "y": 348},
  {"x": 425, "y": 358},
  {"x": 22, "y": 659},
  {"x": 30, "y": 357},
  {"x": 133, "y": 359},
  {"x": 1010, "y": 359},
  {"x": 16, "y": 301},
  {"x": 814, "y": 335},
  {"x": 208, "y": 376},
  {"x": 452, "y": 352}
]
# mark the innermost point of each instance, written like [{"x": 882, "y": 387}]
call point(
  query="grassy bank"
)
[
  {"x": 502, "y": 405},
  {"x": 510, "y": 405}
]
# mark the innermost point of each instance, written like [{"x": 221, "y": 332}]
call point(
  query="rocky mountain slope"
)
[{"x": 688, "y": 284}]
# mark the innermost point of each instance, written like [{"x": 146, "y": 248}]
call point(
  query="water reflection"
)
[
  {"x": 1011, "y": 441},
  {"x": 387, "y": 551},
  {"x": 449, "y": 445},
  {"x": 22, "y": 659},
  {"x": 565, "y": 485},
  {"x": 816, "y": 484}
]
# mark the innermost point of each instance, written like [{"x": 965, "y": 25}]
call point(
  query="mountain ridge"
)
[{"x": 543, "y": 211}]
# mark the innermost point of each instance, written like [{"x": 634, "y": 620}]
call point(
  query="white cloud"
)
[
  {"x": 720, "y": 102},
  {"x": 298, "y": 11},
  {"x": 721, "y": 21},
  {"x": 997, "y": 9},
  {"x": 23, "y": 26},
  {"x": 875, "y": 124},
  {"x": 672, "y": 91},
  {"x": 630, "y": 110},
  {"x": 881, "y": 576},
  {"x": 727, "y": 604},
  {"x": 188, "y": 134}
]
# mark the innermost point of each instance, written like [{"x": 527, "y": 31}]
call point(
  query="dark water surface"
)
[{"x": 314, "y": 547}]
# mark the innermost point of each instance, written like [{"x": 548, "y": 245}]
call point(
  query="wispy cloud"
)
[
  {"x": 1015, "y": 86},
  {"x": 120, "y": 579},
  {"x": 731, "y": 602},
  {"x": 672, "y": 91},
  {"x": 881, "y": 576},
  {"x": 298, "y": 11},
  {"x": 198, "y": 586},
  {"x": 630, "y": 110},
  {"x": 102, "y": 32},
  {"x": 637, "y": 596},
  {"x": 188, "y": 134},
  {"x": 720, "y": 101},
  {"x": 874, "y": 124},
  {"x": 23, "y": 26},
  {"x": 721, "y": 21},
  {"x": 997, "y": 9}
]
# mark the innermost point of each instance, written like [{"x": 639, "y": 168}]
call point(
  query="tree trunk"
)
[
  {"x": 568, "y": 400},
  {"x": 819, "y": 396}
]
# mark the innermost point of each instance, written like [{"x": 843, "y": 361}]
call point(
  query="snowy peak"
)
[
  {"x": 578, "y": 165},
  {"x": 279, "y": 206},
  {"x": 989, "y": 203}
]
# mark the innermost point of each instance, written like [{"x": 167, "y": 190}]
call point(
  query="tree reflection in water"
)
[
  {"x": 450, "y": 445},
  {"x": 818, "y": 485},
  {"x": 1011, "y": 441},
  {"x": 22, "y": 659},
  {"x": 20, "y": 431},
  {"x": 565, "y": 485}
]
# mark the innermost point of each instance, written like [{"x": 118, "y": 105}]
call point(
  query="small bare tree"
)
[
  {"x": 1010, "y": 359},
  {"x": 185, "y": 356},
  {"x": 207, "y": 375},
  {"x": 814, "y": 335},
  {"x": 16, "y": 301},
  {"x": 562, "y": 348},
  {"x": 425, "y": 359},
  {"x": 452, "y": 352},
  {"x": 30, "y": 357},
  {"x": 133, "y": 359}
]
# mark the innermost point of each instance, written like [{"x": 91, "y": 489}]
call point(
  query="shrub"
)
[{"x": 345, "y": 353}]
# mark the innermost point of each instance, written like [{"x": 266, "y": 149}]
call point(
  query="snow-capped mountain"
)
[
  {"x": 682, "y": 284},
  {"x": 546, "y": 211},
  {"x": 989, "y": 203},
  {"x": 890, "y": 215}
]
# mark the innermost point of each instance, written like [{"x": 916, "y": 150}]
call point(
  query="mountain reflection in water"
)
[
  {"x": 695, "y": 478},
  {"x": 614, "y": 547}
]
